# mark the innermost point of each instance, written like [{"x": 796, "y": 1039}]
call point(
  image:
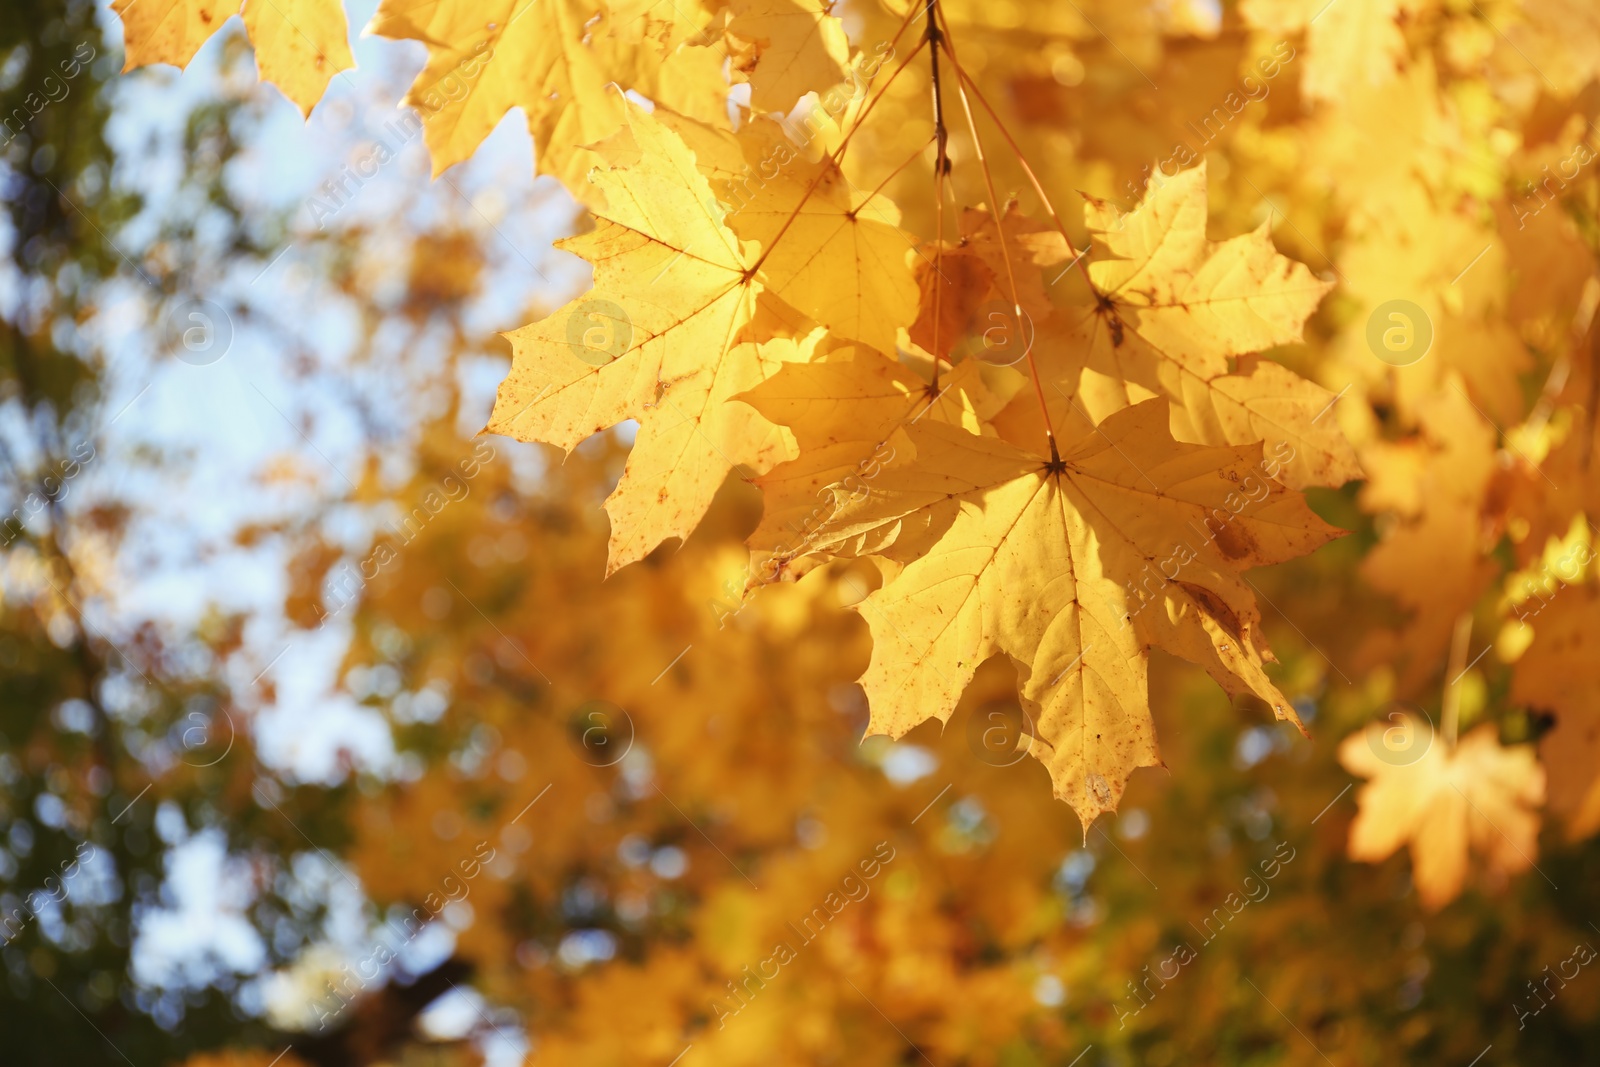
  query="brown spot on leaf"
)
[
  {"x": 1215, "y": 606},
  {"x": 1106, "y": 308},
  {"x": 1234, "y": 541}
]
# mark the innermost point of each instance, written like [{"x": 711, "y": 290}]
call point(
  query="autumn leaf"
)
[
  {"x": 659, "y": 339},
  {"x": 545, "y": 57},
  {"x": 1166, "y": 296},
  {"x": 1433, "y": 558},
  {"x": 666, "y": 23},
  {"x": 1481, "y": 797},
  {"x": 842, "y": 412},
  {"x": 1347, "y": 44},
  {"x": 1265, "y": 401},
  {"x": 966, "y": 284},
  {"x": 1559, "y": 674},
  {"x": 1073, "y": 570},
  {"x": 1449, "y": 267},
  {"x": 831, "y": 250},
  {"x": 300, "y": 44},
  {"x": 169, "y": 31},
  {"x": 786, "y": 48},
  {"x": 1167, "y": 311}
]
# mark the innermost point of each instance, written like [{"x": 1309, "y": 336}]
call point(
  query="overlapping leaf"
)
[
  {"x": 1168, "y": 310},
  {"x": 553, "y": 59},
  {"x": 842, "y": 413},
  {"x": 660, "y": 339},
  {"x": 787, "y": 48},
  {"x": 1073, "y": 570},
  {"x": 300, "y": 44}
]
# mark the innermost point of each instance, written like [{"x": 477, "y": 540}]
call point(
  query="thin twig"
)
[
  {"x": 941, "y": 171},
  {"x": 1451, "y": 713},
  {"x": 1016, "y": 149},
  {"x": 832, "y": 160},
  {"x": 1011, "y": 276}
]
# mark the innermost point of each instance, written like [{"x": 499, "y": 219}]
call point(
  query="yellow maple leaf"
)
[
  {"x": 669, "y": 23},
  {"x": 842, "y": 413},
  {"x": 300, "y": 44},
  {"x": 1451, "y": 268},
  {"x": 169, "y": 31},
  {"x": 1265, "y": 401},
  {"x": 658, "y": 339},
  {"x": 1436, "y": 560},
  {"x": 1072, "y": 569},
  {"x": 1481, "y": 797},
  {"x": 1166, "y": 312},
  {"x": 1164, "y": 291},
  {"x": 966, "y": 286},
  {"x": 554, "y": 59},
  {"x": 1349, "y": 44},
  {"x": 1560, "y": 673},
  {"x": 786, "y": 48},
  {"x": 833, "y": 251},
  {"x": 829, "y": 249}
]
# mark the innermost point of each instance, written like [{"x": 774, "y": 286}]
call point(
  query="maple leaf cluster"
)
[
  {"x": 792, "y": 338},
  {"x": 1058, "y": 437}
]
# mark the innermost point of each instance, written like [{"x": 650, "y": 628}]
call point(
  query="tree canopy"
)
[{"x": 874, "y": 533}]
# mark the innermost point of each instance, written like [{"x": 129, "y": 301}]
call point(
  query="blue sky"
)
[
  {"x": 233, "y": 418},
  {"x": 227, "y": 421}
]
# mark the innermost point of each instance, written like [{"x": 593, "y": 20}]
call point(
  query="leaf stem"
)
[
  {"x": 1451, "y": 712},
  {"x": 889, "y": 178},
  {"x": 1016, "y": 150},
  {"x": 1005, "y": 254},
  {"x": 941, "y": 172},
  {"x": 832, "y": 160}
]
